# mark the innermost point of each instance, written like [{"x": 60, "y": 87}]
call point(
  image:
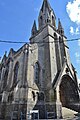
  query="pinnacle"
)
[{"x": 46, "y": 4}]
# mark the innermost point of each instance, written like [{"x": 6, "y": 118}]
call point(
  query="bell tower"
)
[
  {"x": 52, "y": 56},
  {"x": 50, "y": 53}
]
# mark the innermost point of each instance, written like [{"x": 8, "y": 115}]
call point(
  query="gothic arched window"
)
[
  {"x": 55, "y": 36},
  {"x": 53, "y": 21},
  {"x": 5, "y": 79},
  {"x": 37, "y": 96},
  {"x": 57, "y": 50},
  {"x": 36, "y": 72},
  {"x": 33, "y": 94},
  {"x": 60, "y": 40},
  {"x": 16, "y": 68}
]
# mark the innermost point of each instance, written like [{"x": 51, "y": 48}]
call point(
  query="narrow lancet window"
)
[
  {"x": 5, "y": 79},
  {"x": 16, "y": 68},
  {"x": 36, "y": 72}
]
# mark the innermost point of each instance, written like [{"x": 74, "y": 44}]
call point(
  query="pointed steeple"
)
[
  {"x": 46, "y": 5},
  {"x": 59, "y": 24},
  {"x": 5, "y": 55},
  {"x": 4, "y": 58},
  {"x": 34, "y": 28},
  {"x": 60, "y": 28},
  {"x": 46, "y": 15}
]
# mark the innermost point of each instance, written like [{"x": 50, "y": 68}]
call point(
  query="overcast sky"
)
[{"x": 17, "y": 16}]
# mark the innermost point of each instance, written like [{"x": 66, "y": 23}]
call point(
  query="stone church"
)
[{"x": 37, "y": 80}]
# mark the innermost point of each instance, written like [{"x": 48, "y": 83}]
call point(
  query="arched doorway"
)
[{"x": 68, "y": 91}]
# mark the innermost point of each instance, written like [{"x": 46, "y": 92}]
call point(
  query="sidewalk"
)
[{"x": 69, "y": 114}]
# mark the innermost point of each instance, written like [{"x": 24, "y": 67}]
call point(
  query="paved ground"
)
[{"x": 70, "y": 114}]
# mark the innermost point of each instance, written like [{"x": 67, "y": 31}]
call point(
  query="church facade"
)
[{"x": 39, "y": 77}]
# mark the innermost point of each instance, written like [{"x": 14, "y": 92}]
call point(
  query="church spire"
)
[
  {"x": 46, "y": 15},
  {"x": 46, "y": 5},
  {"x": 34, "y": 28},
  {"x": 60, "y": 28}
]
